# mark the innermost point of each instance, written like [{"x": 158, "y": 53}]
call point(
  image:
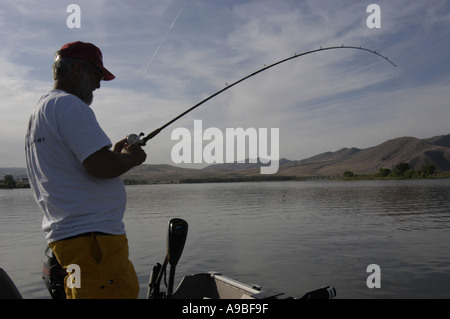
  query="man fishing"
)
[{"x": 74, "y": 176}]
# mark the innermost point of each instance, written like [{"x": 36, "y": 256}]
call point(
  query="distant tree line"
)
[
  {"x": 401, "y": 170},
  {"x": 256, "y": 178},
  {"x": 9, "y": 182},
  {"x": 134, "y": 182}
]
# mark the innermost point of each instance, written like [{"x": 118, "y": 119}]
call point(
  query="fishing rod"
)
[{"x": 134, "y": 138}]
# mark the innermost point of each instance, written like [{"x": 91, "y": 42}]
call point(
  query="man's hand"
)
[
  {"x": 107, "y": 164},
  {"x": 136, "y": 152},
  {"x": 120, "y": 145},
  {"x": 133, "y": 150}
]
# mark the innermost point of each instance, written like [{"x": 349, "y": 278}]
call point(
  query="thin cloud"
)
[{"x": 321, "y": 102}]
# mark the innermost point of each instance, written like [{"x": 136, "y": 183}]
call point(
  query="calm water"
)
[{"x": 289, "y": 236}]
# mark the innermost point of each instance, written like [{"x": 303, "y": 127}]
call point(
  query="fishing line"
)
[{"x": 133, "y": 138}]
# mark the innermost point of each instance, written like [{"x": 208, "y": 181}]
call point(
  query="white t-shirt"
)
[{"x": 62, "y": 133}]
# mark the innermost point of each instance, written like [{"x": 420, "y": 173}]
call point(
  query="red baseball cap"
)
[{"x": 88, "y": 52}]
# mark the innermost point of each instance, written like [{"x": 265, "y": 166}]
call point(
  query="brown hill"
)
[
  {"x": 441, "y": 140},
  {"x": 416, "y": 152},
  {"x": 164, "y": 173}
]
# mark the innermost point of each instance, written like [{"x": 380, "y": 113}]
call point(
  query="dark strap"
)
[{"x": 89, "y": 234}]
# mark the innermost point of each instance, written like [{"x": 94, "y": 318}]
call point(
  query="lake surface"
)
[{"x": 288, "y": 236}]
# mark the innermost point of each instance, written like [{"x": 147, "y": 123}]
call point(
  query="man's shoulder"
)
[
  {"x": 62, "y": 102},
  {"x": 63, "y": 95}
]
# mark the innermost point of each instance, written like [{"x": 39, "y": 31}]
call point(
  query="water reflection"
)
[{"x": 292, "y": 236}]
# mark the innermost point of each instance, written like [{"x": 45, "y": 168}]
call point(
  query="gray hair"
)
[{"x": 62, "y": 66}]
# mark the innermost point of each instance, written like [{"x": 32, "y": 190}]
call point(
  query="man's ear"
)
[{"x": 78, "y": 69}]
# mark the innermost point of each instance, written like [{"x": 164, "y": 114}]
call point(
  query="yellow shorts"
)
[{"x": 105, "y": 270}]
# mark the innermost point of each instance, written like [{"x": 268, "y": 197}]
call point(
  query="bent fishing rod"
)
[{"x": 134, "y": 138}]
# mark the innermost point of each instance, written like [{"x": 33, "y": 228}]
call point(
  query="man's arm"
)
[{"x": 108, "y": 164}]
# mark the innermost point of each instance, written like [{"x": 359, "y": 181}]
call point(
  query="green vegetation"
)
[
  {"x": 256, "y": 178},
  {"x": 348, "y": 174},
  {"x": 134, "y": 182},
  {"x": 400, "y": 171},
  {"x": 9, "y": 182}
]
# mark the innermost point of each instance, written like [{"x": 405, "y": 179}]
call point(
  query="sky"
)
[{"x": 167, "y": 55}]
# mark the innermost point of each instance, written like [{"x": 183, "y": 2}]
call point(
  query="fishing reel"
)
[
  {"x": 140, "y": 140},
  {"x": 136, "y": 139}
]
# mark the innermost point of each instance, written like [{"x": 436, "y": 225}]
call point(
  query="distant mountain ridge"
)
[{"x": 416, "y": 152}]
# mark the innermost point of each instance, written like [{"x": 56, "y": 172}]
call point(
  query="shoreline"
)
[{"x": 245, "y": 179}]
